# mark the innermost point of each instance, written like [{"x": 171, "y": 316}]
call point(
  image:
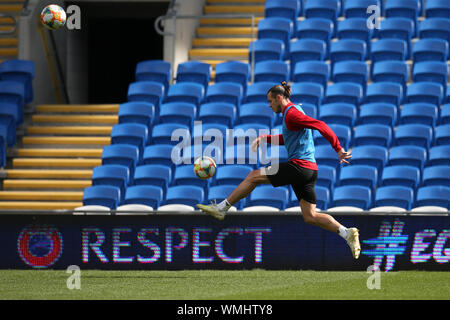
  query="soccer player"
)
[{"x": 300, "y": 170}]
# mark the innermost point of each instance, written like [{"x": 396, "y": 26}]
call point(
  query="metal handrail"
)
[
  {"x": 174, "y": 17},
  {"x": 14, "y": 27}
]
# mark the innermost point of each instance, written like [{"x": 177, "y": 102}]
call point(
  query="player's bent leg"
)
[
  {"x": 253, "y": 179},
  {"x": 327, "y": 222}
]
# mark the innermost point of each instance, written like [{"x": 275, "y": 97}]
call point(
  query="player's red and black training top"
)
[{"x": 296, "y": 120}]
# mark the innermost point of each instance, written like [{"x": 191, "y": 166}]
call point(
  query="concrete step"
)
[
  {"x": 45, "y": 184},
  {"x": 69, "y": 140},
  {"x": 230, "y": 21},
  {"x": 81, "y": 119},
  {"x": 78, "y": 108},
  {"x": 227, "y": 31},
  {"x": 70, "y": 130},
  {"x": 220, "y": 54},
  {"x": 61, "y": 152},
  {"x": 222, "y": 42},
  {"x": 47, "y": 174},
  {"x": 42, "y": 195},
  {"x": 39, "y": 205},
  {"x": 55, "y": 162},
  {"x": 239, "y": 9}
]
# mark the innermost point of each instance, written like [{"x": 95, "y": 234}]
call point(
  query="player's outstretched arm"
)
[{"x": 344, "y": 155}]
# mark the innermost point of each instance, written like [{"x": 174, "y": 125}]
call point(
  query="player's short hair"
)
[{"x": 284, "y": 90}]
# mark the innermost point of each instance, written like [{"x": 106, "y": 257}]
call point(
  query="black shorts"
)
[{"x": 303, "y": 180}]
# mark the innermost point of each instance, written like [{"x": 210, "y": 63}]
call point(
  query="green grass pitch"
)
[{"x": 223, "y": 285}]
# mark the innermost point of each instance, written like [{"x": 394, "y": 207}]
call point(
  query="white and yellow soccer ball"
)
[
  {"x": 204, "y": 167},
  {"x": 53, "y": 17}
]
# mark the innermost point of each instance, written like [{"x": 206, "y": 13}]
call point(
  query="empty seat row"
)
[{"x": 352, "y": 196}]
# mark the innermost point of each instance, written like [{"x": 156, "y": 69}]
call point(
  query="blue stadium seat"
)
[
  {"x": 401, "y": 175},
  {"x": 358, "y": 174},
  {"x": 122, "y": 154},
  {"x": 414, "y": 134},
  {"x": 233, "y": 71},
  {"x": 323, "y": 197},
  {"x": 387, "y": 49},
  {"x": 178, "y": 112},
  {"x": 435, "y": 28},
  {"x": 433, "y": 196},
  {"x": 326, "y": 177},
  {"x": 153, "y": 175},
  {"x": 232, "y": 174},
  {"x": 407, "y": 155},
  {"x": 306, "y": 50},
  {"x": 257, "y": 92},
  {"x": 241, "y": 154},
  {"x": 112, "y": 175},
  {"x": 272, "y": 71},
  {"x": 325, "y": 155},
  {"x": 3, "y": 140},
  {"x": 221, "y": 192},
  {"x": 159, "y": 154},
  {"x": 442, "y": 135},
  {"x": 355, "y": 28},
  {"x": 391, "y": 71},
  {"x": 185, "y": 92},
  {"x": 19, "y": 70},
  {"x": 344, "y": 134},
  {"x": 218, "y": 112},
  {"x": 312, "y": 71},
  {"x": 430, "y": 49},
  {"x": 154, "y": 70},
  {"x": 373, "y": 134},
  {"x": 135, "y": 134},
  {"x": 187, "y": 195},
  {"x": 315, "y": 28},
  {"x": 147, "y": 91},
  {"x": 257, "y": 112},
  {"x": 338, "y": 113},
  {"x": 438, "y": 155},
  {"x": 208, "y": 149},
  {"x": 325, "y": 9},
  {"x": 421, "y": 113},
  {"x": 194, "y": 71},
  {"x": 345, "y": 92},
  {"x": 397, "y": 28},
  {"x": 225, "y": 92},
  {"x": 307, "y": 92},
  {"x": 351, "y": 71},
  {"x": 428, "y": 92},
  {"x": 162, "y": 133},
  {"x": 13, "y": 92},
  {"x": 267, "y": 195},
  {"x": 431, "y": 71},
  {"x": 347, "y": 49},
  {"x": 309, "y": 109},
  {"x": 358, "y": 8},
  {"x": 397, "y": 196},
  {"x": 137, "y": 112},
  {"x": 144, "y": 194},
  {"x": 354, "y": 196},
  {"x": 266, "y": 49},
  {"x": 378, "y": 112},
  {"x": 108, "y": 196},
  {"x": 185, "y": 175},
  {"x": 384, "y": 92},
  {"x": 436, "y": 176},
  {"x": 370, "y": 155},
  {"x": 288, "y": 9},
  {"x": 8, "y": 120},
  {"x": 277, "y": 28},
  {"x": 444, "y": 118},
  {"x": 437, "y": 9},
  {"x": 409, "y": 9}
]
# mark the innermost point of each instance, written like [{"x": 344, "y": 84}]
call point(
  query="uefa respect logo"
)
[{"x": 232, "y": 146}]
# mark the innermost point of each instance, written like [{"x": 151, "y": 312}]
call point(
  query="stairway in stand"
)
[
  {"x": 53, "y": 162},
  {"x": 223, "y": 39},
  {"x": 9, "y": 42}
]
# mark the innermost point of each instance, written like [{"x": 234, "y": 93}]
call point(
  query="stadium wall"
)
[{"x": 173, "y": 241}]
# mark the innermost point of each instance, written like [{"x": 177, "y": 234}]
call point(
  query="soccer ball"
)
[
  {"x": 53, "y": 17},
  {"x": 204, "y": 167}
]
